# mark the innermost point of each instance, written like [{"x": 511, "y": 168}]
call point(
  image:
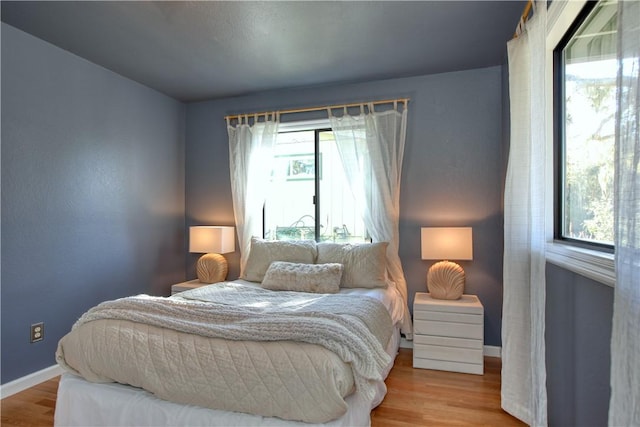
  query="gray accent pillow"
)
[
  {"x": 317, "y": 278},
  {"x": 264, "y": 252},
  {"x": 365, "y": 265}
]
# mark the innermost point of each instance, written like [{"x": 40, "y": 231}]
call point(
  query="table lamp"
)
[
  {"x": 212, "y": 241},
  {"x": 445, "y": 279}
]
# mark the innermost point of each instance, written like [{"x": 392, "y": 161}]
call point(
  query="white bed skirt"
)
[{"x": 81, "y": 403}]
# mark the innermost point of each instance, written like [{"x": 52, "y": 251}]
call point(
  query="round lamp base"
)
[
  {"x": 212, "y": 268},
  {"x": 445, "y": 280}
]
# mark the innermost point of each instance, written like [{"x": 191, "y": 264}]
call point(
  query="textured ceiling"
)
[{"x": 199, "y": 50}]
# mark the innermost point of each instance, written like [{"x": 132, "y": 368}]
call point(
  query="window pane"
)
[
  {"x": 590, "y": 105},
  {"x": 340, "y": 218},
  {"x": 289, "y": 209}
]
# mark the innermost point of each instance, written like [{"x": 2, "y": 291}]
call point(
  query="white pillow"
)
[
  {"x": 317, "y": 278},
  {"x": 365, "y": 265},
  {"x": 264, "y": 252}
]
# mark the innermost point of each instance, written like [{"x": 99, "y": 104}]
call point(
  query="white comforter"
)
[{"x": 291, "y": 380}]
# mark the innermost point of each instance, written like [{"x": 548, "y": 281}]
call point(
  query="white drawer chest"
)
[{"x": 448, "y": 334}]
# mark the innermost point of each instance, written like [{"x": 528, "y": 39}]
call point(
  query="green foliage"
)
[{"x": 589, "y": 161}]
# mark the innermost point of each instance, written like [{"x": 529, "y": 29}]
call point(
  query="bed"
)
[{"x": 314, "y": 356}]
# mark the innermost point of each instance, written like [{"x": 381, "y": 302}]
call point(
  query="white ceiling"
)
[{"x": 194, "y": 50}]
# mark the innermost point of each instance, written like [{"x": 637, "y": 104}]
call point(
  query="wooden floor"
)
[
  {"x": 415, "y": 397},
  {"x": 32, "y": 407},
  {"x": 422, "y": 397}
]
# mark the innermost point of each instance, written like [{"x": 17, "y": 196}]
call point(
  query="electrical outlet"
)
[{"x": 37, "y": 332}]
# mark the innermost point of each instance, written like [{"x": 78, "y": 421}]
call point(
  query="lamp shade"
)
[
  {"x": 445, "y": 243},
  {"x": 212, "y": 239}
]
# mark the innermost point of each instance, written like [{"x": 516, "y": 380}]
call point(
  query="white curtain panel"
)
[
  {"x": 624, "y": 407},
  {"x": 251, "y": 150},
  {"x": 523, "y": 350},
  {"x": 371, "y": 147}
]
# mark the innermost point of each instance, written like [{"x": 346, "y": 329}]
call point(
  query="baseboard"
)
[
  {"x": 16, "y": 386},
  {"x": 404, "y": 343},
  {"x": 492, "y": 351},
  {"x": 488, "y": 350}
]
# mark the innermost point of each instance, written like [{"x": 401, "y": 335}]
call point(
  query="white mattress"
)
[{"x": 81, "y": 403}]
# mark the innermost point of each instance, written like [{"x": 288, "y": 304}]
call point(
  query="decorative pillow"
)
[
  {"x": 365, "y": 265},
  {"x": 317, "y": 278},
  {"x": 264, "y": 252}
]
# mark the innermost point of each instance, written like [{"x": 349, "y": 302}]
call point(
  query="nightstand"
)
[
  {"x": 185, "y": 286},
  {"x": 448, "y": 335}
]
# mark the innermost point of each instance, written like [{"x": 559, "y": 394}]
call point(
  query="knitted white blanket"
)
[{"x": 355, "y": 328}]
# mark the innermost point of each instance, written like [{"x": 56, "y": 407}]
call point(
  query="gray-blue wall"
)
[
  {"x": 92, "y": 193},
  {"x": 579, "y": 314},
  {"x": 451, "y": 176}
]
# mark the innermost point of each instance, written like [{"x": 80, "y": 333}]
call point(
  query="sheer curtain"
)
[
  {"x": 523, "y": 351},
  {"x": 624, "y": 407},
  {"x": 371, "y": 147},
  {"x": 250, "y": 162}
]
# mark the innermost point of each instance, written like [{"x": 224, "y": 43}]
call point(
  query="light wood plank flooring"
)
[
  {"x": 415, "y": 397},
  {"x": 32, "y": 407},
  {"x": 422, "y": 397}
]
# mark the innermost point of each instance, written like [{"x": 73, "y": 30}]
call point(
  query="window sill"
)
[{"x": 595, "y": 265}]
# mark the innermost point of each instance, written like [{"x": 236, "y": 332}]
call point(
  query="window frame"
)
[
  {"x": 305, "y": 127},
  {"x": 559, "y": 136},
  {"x": 589, "y": 261},
  {"x": 317, "y": 126}
]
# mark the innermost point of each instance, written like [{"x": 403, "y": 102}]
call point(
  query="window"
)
[
  {"x": 309, "y": 196},
  {"x": 585, "y": 70}
]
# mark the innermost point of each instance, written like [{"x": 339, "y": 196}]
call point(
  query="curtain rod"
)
[
  {"x": 523, "y": 18},
  {"x": 319, "y": 108}
]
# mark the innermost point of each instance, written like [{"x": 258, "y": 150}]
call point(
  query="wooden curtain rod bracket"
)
[
  {"x": 319, "y": 108},
  {"x": 524, "y": 17}
]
